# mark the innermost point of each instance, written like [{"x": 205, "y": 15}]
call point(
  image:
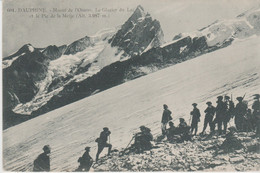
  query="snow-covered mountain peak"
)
[
  {"x": 7, "y": 61},
  {"x": 221, "y": 32},
  {"x": 139, "y": 12},
  {"x": 138, "y": 33}
]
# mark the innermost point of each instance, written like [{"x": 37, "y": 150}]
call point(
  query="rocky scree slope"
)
[{"x": 200, "y": 154}]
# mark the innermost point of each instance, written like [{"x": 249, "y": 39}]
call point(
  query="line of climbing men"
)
[{"x": 224, "y": 111}]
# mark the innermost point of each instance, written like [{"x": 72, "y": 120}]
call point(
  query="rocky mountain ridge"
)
[{"x": 92, "y": 64}]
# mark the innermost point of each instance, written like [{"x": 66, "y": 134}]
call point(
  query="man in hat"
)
[
  {"x": 166, "y": 117},
  {"x": 42, "y": 162},
  {"x": 171, "y": 131},
  {"x": 143, "y": 140},
  {"x": 229, "y": 112},
  {"x": 182, "y": 127},
  {"x": 256, "y": 113},
  {"x": 195, "y": 113},
  {"x": 241, "y": 110},
  {"x": 209, "y": 114},
  {"x": 102, "y": 142},
  {"x": 220, "y": 113},
  {"x": 85, "y": 161}
]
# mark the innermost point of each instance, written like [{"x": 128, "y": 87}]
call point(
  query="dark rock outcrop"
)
[
  {"x": 78, "y": 46},
  {"x": 137, "y": 33}
]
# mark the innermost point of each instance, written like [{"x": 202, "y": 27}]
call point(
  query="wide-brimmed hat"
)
[
  {"x": 46, "y": 147},
  {"x": 181, "y": 119},
  {"x": 239, "y": 98},
  {"x": 142, "y": 127},
  {"x": 165, "y": 105},
  {"x": 194, "y": 104},
  {"x": 220, "y": 97},
  {"x": 227, "y": 97},
  {"x": 209, "y": 103}
]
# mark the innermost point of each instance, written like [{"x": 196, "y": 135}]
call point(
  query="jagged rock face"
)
[
  {"x": 53, "y": 52},
  {"x": 62, "y": 49},
  {"x": 119, "y": 72},
  {"x": 137, "y": 33},
  {"x": 25, "y": 72},
  {"x": 78, "y": 46},
  {"x": 20, "y": 81}
]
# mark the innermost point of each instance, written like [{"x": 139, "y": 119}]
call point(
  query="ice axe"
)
[
  {"x": 244, "y": 96},
  {"x": 127, "y": 145}
]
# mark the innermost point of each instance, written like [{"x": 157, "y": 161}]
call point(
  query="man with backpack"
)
[
  {"x": 42, "y": 162},
  {"x": 143, "y": 140},
  {"x": 102, "y": 142},
  {"x": 85, "y": 161}
]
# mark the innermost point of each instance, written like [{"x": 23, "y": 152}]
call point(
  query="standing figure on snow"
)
[
  {"x": 221, "y": 110},
  {"x": 256, "y": 113},
  {"x": 229, "y": 112},
  {"x": 102, "y": 142},
  {"x": 166, "y": 117},
  {"x": 85, "y": 161},
  {"x": 42, "y": 162},
  {"x": 241, "y": 110},
  {"x": 195, "y": 118},
  {"x": 209, "y": 114}
]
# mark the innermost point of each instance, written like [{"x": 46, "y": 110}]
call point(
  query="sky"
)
[{"x": 175, "y": 16}]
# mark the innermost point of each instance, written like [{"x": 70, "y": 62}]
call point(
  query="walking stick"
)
[
  {"x": 127, "y": 146},
  {"x": 244, "y": 96},
  {"x": 129, "y": 143}
]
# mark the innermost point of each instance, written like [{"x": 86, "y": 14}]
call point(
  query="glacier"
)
[{"x": 232, "y": 70}]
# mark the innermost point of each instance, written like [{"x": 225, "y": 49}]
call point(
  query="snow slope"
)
[{"x": 234, "y": 69}]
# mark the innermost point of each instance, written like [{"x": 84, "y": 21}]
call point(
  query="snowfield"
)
[{"x": 68, "y": 130}]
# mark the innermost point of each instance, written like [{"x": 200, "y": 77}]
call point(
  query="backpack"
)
[{"x": 97, "y": 140}]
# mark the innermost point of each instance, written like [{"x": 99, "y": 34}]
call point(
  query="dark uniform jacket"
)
[
  {"x": 241, "y": 109},
  {"x": 221, "y": 109},
  {"x": 195, "y": 115},
  {"x": 166, "y": 117},
  {"x": 86, "y": 160},
  {"x": 210, "y": 111},
  {"x": 42, "y": 163},
  {"x": 256, "y": 108},
  {"x": 103, "y": 137}
]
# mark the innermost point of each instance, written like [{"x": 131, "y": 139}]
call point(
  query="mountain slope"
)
[
  {"x": 80, "y": 60},
  {"x": 234, "y": 69},
  {"x": 184, "y": 47}
]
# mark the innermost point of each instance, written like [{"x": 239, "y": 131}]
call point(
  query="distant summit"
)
[{"x": 138, "y": 33}]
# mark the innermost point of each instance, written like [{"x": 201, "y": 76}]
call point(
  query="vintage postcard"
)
[{"x": 131, "y": 85}]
